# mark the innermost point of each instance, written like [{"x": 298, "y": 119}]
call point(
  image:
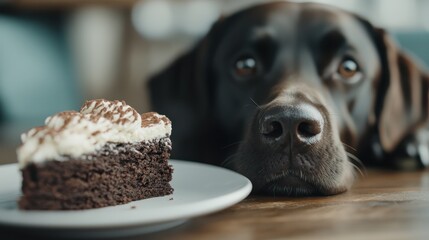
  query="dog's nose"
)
[{"x": 297, "y": 125}]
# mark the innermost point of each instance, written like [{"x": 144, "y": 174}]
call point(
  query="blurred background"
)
[{"x": 54, "y": 54}]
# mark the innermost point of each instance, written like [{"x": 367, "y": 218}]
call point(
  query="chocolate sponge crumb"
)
[{"x": 116, "y": 174}]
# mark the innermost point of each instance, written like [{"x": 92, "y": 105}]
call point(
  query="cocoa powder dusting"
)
[
  {"x": 121, "y": 109},
  {"x": 151, "y": 118}
]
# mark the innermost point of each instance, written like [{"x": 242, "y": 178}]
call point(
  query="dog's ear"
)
[
  {"x": 401, "y": 104},
  {"x": 182, "y": 91},
  {"x": 183, "y": 80},
  {"x": 188, "y": 78}
]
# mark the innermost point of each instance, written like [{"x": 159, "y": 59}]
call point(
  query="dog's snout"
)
[{"x": 297, "y": 125}]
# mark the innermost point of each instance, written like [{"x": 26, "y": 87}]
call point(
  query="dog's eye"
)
[
  {"x": 245, "y": 66},
  {"x": 348, "y": 69}
]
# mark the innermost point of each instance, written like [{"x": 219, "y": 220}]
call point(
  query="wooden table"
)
[{"x": 382, "y": 205}]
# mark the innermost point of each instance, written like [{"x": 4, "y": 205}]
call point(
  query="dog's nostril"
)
[
  {"x": 272, "y": 129},
  {"x": 307, "y": 129}
]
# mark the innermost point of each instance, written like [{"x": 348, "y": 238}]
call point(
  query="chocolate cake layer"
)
[{"x": 117, "y": 173}]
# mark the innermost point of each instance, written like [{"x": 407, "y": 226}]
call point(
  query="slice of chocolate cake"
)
[{"x": 104, "y": 155}]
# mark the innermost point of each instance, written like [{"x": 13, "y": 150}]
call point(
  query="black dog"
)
[{"x": 282, "y": 92}]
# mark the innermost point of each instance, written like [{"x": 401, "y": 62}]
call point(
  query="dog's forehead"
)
[
  {"x": 310, "y": 18},
  {"x": 293, "y": 26},
  {"x": 321, "y": 19}
]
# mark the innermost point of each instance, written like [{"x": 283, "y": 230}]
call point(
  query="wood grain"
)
[{"x": 382, "y": 205}]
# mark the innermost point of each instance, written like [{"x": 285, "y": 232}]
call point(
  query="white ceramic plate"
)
[{"x": 198, "y": 189}]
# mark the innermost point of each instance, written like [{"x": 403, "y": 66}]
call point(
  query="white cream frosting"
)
[{"x": 98, "y": 122}]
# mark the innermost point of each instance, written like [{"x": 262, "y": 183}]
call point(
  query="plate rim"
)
[{"x": 237, "y": 196}]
